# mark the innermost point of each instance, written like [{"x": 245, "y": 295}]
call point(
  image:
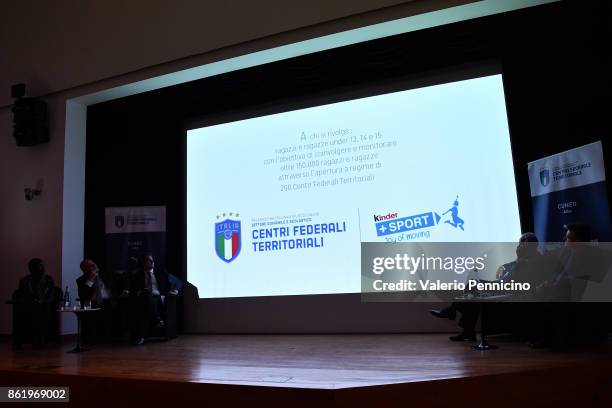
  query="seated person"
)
[
  {"x": 149, "y": 286},
  {"x": 36, "y": 301},
  {"x": 562, "y": 319},
  {"x": 578, "y": 258},
  {"x": 93, "y": 285},
  {"x": 96, "y": 287},
  {"x": 121, "y": 281},
  {"x": 525, "y": 268},
  {"x": 122, "y": 278}
]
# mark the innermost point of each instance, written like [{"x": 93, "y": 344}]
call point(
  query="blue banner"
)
[
  {"x": 133, "y": 231},
  {"x": 570, "y": 187}
]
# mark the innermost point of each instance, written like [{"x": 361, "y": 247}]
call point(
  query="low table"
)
[{"x": 79, "y": 314}]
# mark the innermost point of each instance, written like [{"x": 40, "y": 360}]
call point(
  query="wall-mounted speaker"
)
[{"x": 30, "y": 118}]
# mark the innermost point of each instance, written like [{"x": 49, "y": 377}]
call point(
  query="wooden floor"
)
[{"x": 319, "y": 370}]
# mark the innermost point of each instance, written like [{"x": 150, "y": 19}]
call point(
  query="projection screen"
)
[{"x": 279, "y": 204}]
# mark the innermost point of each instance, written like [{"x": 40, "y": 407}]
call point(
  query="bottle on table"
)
[{"x": 67, "y": 302}]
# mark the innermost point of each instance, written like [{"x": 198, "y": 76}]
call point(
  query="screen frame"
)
[{"x": 415, "y": 80}]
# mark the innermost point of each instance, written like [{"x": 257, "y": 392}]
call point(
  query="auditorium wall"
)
[
  {"x": 556, "y": 101},
  {"x": 66, "y": 49}
]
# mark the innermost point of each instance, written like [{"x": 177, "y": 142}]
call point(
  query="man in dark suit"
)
[
  {"x": 527, "y": 267},
  {"x": 149, "y": 287},
  {"x": 37, "y": 287},
  {"x": 562, "y": 319},
  {"x": 35, "y": 303}
]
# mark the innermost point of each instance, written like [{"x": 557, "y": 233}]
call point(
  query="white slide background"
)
[{"x": 408, "y": 153}]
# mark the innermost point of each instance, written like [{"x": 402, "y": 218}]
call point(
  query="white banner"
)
[
  {"x": 573, "y": 168},
  {"x": 121, "y": 220}
]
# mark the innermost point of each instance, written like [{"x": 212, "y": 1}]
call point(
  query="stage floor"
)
[{"x": 307, "y": 362}]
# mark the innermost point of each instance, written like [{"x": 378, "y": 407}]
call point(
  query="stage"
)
[{"x": 316, "y": 371}]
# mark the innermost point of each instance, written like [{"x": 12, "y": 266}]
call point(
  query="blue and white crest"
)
[
  {"x": 119, "y": 221},
  {"x": 545, "y": 177},
  {"x": 227, "y": 239}
]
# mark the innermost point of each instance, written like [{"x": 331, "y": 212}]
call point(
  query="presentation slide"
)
[{"x": 279, "y": 204}]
